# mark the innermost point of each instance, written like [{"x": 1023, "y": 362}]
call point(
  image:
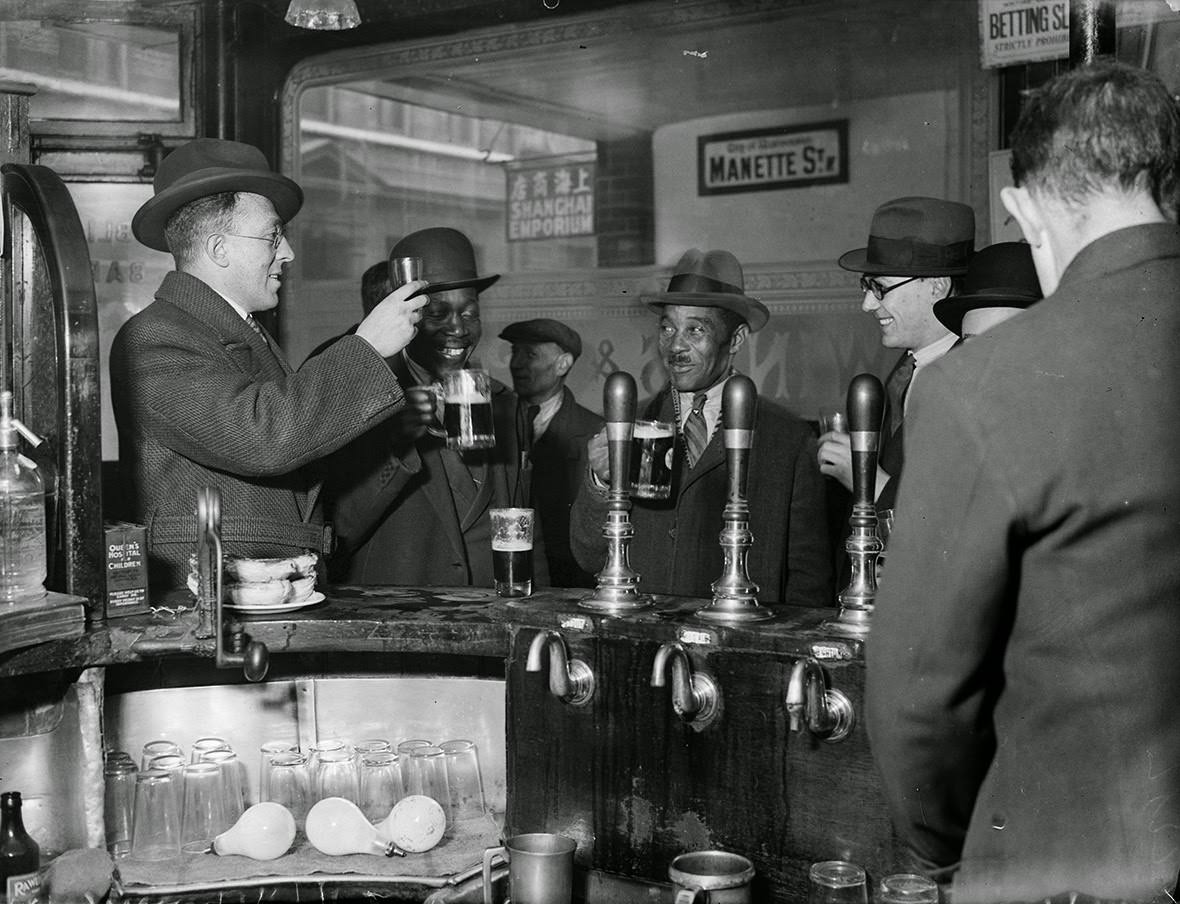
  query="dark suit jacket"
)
[
  {"x": 676, "y": 549},
  {"x": 1022, "y": 668},
  {"x": 200, "y": 400},
  {"x": 407, "y": 521},
  {"x": 558, "y": 466}
]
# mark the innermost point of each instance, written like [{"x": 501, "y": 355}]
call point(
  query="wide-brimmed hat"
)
[
  {"x": 999, "y": 276},
  {"x": 916, "y": 237},
  {"x": 542, "y": 329},
  {"x": 448, "y": 260},
  {"x": 208, "y": 166},
  {"x": 711, "y": 279}
]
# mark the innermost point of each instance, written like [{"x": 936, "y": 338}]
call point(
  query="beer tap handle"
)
[
  {"x": 866, "y": 401},
  {"x": 738, "y": 402},
  {"x": 618, "y": 407}
]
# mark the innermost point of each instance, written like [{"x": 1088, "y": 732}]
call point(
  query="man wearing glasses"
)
[
  {"x": 204, "y": 397},
  {"x": 917, "y": 250}
]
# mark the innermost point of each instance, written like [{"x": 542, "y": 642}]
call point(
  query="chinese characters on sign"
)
[
  {"x": 552, "y": 201},
  {"x": 762, "y": 159},
  {"x": 1023, "y": 31}
]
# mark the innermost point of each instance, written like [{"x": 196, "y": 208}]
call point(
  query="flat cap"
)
[{"x": 542, "y": 329}]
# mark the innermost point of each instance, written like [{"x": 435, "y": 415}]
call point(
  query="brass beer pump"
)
[
  {"x": 618, "y": 584},
  {"x": 735, "y": 596},
  {"x": 866, "y": 402}
]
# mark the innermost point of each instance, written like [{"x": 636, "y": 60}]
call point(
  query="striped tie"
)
[
  {"x": 257, "y": 327},
  {"x": 696, "y": 432}
]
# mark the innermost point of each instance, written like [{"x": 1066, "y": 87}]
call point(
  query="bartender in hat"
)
[
  {"x": 202, "y": 394},
  {"x": 705, "y": 319},
  {"x": 407, "y": 509}
]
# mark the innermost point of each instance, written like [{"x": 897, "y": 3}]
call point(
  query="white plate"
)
[{"x": 315, "y": 597}]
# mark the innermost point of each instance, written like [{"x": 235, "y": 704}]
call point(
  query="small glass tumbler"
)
[
  {"x": 372, "y": 745},
  {"x": 204, "y": 807},
  {"x": 907, "y": 888},
  {"x": 832, "y": 422},
  {"x": 153, "y": 749},
  {"x": 380, "y": 784},
  {"x": 119, "y": 804},
  {"x": 836, "y": 882},
  {"x": 425, "y": 772},
  {"x": 335, "y": 775},
  {"x": 405, "y": 747},
  {"x": 233, "y": 785},
  {"x": 201, "y": 746},
  {"x": 265, "y": 752},
  {"x": 156, "y": 831},
  {"x": 464, "y": 781},
  {"x": 286, "y": 783},
  {"x": 173, "y": 764},
  {"x": 512, "y": 550},
  {"x": 404, "y": 270}
]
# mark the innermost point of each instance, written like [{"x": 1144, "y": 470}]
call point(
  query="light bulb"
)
[
  {"x": 263, "y": 832},
  {"x": 415, "y": 824},
  {"x": 337, "y": 826}
]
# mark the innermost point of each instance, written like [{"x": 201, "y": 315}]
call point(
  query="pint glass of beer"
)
[
  {"x": 512, "y": 551},
  {"x": 467, "y": 410},
  {"x": 651, "y": 459}
]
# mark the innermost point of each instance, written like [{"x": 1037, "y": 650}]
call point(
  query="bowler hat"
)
[
  {"x": 916, "y": 237},
  {"x": 999, "y": 276},
  {"x": 542, "y": 329},
  {"x": 711, "y": 279},
  {"x": 448, "y": 260},
  {"x": 209, "y": 166}
]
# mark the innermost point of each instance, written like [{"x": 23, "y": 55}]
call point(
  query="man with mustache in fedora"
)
[
  {"x": 705, "y": 318},
  {"x": 204, "y": 397},
  {"x": 918, "y": 249},
  {"x": 407, "y": 509}
]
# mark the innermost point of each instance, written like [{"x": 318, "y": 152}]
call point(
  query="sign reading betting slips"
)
[{"x": 1023, "y": 31}]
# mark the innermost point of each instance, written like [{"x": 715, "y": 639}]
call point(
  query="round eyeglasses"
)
[
  {"x": 868, "y": 284},
  {"x": 275, "y": 240}
]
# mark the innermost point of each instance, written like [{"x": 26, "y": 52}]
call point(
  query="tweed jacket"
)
[
  {"x": 675, "y": 548},
  {"x": 420, "y": 519},
  {"x": 200, "y": 399},
  {"x": 1022, "y": 670},
  {"x": 558, "y": 464}
]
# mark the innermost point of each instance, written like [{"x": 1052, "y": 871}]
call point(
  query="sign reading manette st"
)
[{"x": 784, "y": 157}]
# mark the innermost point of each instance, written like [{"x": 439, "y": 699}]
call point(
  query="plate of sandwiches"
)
[{"x": 267, "y": 585}]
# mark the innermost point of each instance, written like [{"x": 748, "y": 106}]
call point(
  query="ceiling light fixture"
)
[{"x": 323, "y": 15}]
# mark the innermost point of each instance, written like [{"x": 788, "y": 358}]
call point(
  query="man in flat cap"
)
[
  {"x": 407, "y": 509},
  {"x": 552, "y": 430},
  {"x": 705, "y": 317},
  {"x": 917, "y": 250},
  {"x": 203, "y": 396}
]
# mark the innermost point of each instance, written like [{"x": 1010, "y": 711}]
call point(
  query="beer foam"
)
[
  {"x": 512, "y": 545},
  {"x": 651, "y": 431},
  {"x": 467, "y": 396}
]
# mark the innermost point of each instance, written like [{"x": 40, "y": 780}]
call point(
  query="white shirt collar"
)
[
  {"x": 932, "y": 352},
  {"x": 712, "y": 410},
  {"x": 545, "y": 416}
]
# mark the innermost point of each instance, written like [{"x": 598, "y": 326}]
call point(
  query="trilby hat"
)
[
  {"x": 542, "y": 329},
  {"x": 711, "y": 279},
  {"x": 208, "y": 166},
  {"x": 999, "y": 276},
  {"x": 448, "y": 260},
  {"x": 916, "y": 237}
]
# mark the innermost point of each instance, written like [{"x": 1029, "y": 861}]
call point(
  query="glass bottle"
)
[
  {"x": 20, "y": 857},
  {"x": 22, "y": 515}
]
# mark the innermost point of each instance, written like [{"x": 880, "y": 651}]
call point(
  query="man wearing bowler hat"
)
[
  {"x": 1001, "y": 282},
  {"x": 705, "y": 318},
  {"x": 203, "y": 396},
  {"x": 917, "y": 249},
  {"x": 552, "y": 430},
  {"x": 407, "y": 509}
]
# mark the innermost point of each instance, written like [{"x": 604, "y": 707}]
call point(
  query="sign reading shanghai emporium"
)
[
  {"x": 550, "y": 202},
  {"x": 761, "y": 159}
]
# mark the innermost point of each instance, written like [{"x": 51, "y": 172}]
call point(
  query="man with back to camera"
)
[
  {"x": 705, "y": 319},
  {"x": 917, "y": 249},
  {"x": 1022, "y": 669},
  {"x": 407, "y": 509},
  {"x": 552, "y": 430},
  {"x": 204, "y": 397}
]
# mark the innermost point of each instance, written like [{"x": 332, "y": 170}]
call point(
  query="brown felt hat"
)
[
  {"x": 542, "y": 329},
  {"x": 448, "y": 260},
  {"x": 999, "y": 276},
  {"x": 916, "y": 237},
  {"x": 711, "y": 279},
  {"x": 209, "y": 166}
]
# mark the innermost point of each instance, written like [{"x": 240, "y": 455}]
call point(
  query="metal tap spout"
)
[
  {"x": 827, "y": 713},
  {"x": 695, "y": 696},
  {"x": 570, "y": 680}
]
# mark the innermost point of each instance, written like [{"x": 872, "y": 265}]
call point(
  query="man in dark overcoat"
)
[
  {"x": 1022, "y": 668},
  {"x": 552, "y": 430},
  {"x": 705, "y": 319},
  {"x": 203, "y": 396}
]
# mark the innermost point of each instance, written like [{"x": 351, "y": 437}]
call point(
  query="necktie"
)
[
  {"x": 526, "y": 416},
  {"x": 896, "y": 386},
  {"x": 257, "y": 327},
  {"x": 696, "y": 431}
]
